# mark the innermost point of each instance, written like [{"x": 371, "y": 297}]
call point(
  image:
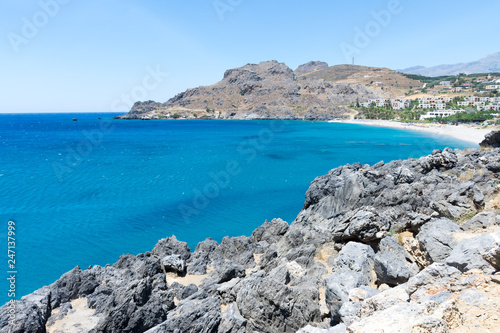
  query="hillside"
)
[
  {"x": 269, "y": 90},
  {"x": 488, "y": 64},
  {"x": 386, "y": 82}
]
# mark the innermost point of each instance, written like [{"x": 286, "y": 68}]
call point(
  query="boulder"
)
[
  {"x": 437, "y": 275},
  {"x": 174, "y": 264},
  {"x": 198, "y": 313},
  {"x": 171, "y": 246},
  {"x": 437, "y": 239},
  {"x": 481, "y": 221},
  {"x": 271, "y": 306},
  {"x": 271, "y": 232},
  {"x": 470, "y": 253},
  {"x": 352, "y": 269},
  {"x": 491, "y": 140},
  {"x": 392, "y": 264}
]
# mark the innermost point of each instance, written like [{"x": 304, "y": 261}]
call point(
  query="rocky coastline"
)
[{"x": 403, "y": 246}]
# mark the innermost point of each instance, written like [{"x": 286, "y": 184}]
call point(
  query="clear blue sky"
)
[{"x": 92, "y": 55}]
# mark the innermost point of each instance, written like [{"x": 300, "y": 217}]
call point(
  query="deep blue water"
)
[{"x": 85, "y": 192}]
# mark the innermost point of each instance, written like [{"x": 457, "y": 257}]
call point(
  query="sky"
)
[{"x": 102, "y": 55}]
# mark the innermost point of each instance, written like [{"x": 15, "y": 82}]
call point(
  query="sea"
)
[{"x": 81, "y": 192}]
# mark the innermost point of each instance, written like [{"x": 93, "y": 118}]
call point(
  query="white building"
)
[{"x": 441, "y": 113}]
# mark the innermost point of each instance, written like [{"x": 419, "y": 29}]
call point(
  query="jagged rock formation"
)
[
  {"x": 269, "y": 90},
  {"x": 311, "y": 67},
  {"x": 491, "y": 140},
  {"x": 405, "y": 246}
]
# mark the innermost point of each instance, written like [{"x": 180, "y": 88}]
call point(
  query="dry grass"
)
[
  {"x": 495, "y": 201},
  {"x": 466, "y": 217},
  {"x": 402, "y": 236},
  {"x": 469, "y": 174}
]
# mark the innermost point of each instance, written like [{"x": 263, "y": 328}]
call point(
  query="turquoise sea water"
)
[{"x": 84, "y": 192}]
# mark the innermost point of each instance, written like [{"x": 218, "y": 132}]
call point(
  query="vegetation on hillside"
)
[{"x": 464, "y": 117}]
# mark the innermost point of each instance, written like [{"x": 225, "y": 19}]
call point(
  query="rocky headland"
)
[
  {"x": 269, "y": 90},
  {"x": 404, "y": 246}
]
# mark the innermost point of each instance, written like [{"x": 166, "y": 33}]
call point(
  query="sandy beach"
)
[{"x": 470, "y": 133}]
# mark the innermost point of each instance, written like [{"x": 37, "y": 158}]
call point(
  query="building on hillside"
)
[
  {"x": 492, "y": 87},
  {"x": 442, "y": 113},
  {"x": 397, "y": 104},
  {"x": 489, "y": 107},
  {"x": 445, "y": 83}
]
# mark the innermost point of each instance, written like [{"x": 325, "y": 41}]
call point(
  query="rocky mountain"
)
[
  {"x": 269, "y": 90},
  {"x": 311, "y": 67},
  {"x": 404, "y": 246},
  {"x": 489, "y": 64}
]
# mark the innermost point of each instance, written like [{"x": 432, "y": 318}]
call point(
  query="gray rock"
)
[
  {"x": 392, "y": 264},
  {"x": 437, "y": 239},
  {"x": 447, "y": 159},
  {"x": 468, "y": 254},
  {"x": 187, "y": 291},
  {"x": 198, "y": 313},
  {"x": 352, "y": 269},
  {"x": 303, "y": 255},
  {"x": 437, "y": 274},
  {"x": 174, "y": 263},
  {"x": 384, "y": 300},
  {"x": 236, "y": 249},
  {"x": 227, "y": 291},
  {"x": 481, "y": 221},
  {"x": 199, "y": 263},
  {"x": 137, "y": 306},
  {"x": 473, "y": 296},
  {"x": 31, "y": 313},
  {"x": 76, "y": 283},
  {"x": 311, "y": 67},
  {"x": 271, "y": 306},
  {"x": 228, "y": 271},
  {"x": 430, "y": 324},
  {"x": 491, "y": 140},
  {"x": 271, "y": 232},
  {"x": 28, "y": 318},
  {"x": 340, "y": 328},
  {"x": 171, "y": 246},
  {"x": 492, "y": 255},
  {"x": 403, "y": 175},
  {"x": 232, "y": 321}
]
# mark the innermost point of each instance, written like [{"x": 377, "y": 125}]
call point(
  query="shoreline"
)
[{"x": 469, "y": 133}]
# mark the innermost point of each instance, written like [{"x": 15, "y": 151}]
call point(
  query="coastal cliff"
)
[
  {"x": 269, "y": 90},
  {"x": 404, "y": 246}
]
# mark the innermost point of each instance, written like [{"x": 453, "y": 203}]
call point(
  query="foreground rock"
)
[
  {"x": 407, "y": 246},
  {"x": 491, "y": 140}
]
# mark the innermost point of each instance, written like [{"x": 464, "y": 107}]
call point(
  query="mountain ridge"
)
[
  {"x": 488, "y": 64},
  {"x": 268, "y": 90}
]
